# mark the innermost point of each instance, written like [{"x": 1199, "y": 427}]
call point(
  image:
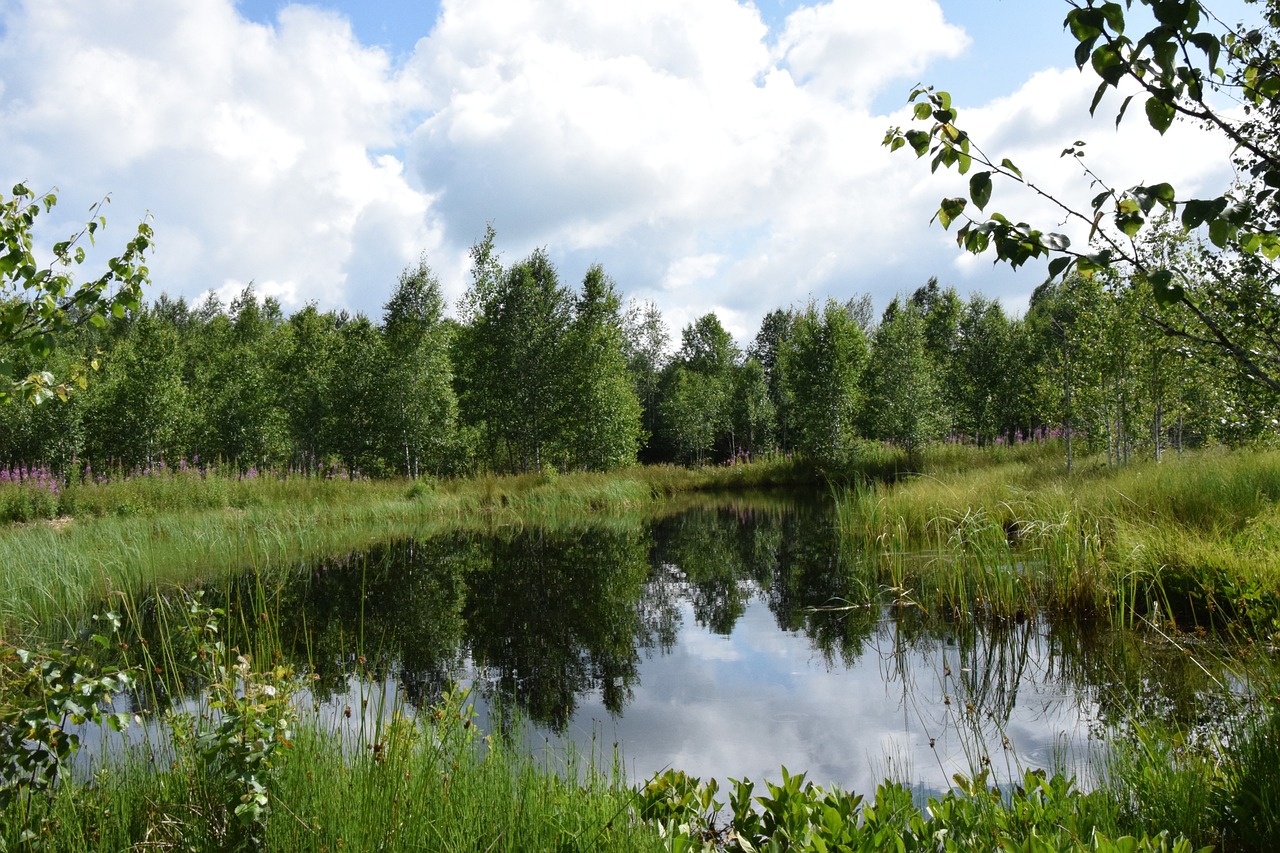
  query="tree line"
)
[{"x": 535, "y": 375}]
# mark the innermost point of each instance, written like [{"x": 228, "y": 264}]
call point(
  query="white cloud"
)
[
  {"x": 849, "y": 49},
  {"x": 656, "y": 133},
  {"x": 254, "y": 148},
  {"x": 644, "y": 136}
]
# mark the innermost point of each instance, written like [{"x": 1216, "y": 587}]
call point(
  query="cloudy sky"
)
[{"x": 713, "y": 155}]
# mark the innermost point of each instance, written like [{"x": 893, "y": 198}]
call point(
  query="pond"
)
[{"x": 724, "y": 641}]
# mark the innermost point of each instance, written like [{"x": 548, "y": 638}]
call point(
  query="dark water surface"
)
[{"x": 724, "y": 642}]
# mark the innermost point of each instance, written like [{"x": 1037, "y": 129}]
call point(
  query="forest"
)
[{"x": 537, "y": 375}]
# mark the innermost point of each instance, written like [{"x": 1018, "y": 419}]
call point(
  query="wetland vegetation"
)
[
  {"x": 551, "y": 597},
  {"x": 324, "y": 582}
]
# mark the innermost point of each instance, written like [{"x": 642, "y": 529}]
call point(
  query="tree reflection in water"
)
[{"x": 545, "y": 621}]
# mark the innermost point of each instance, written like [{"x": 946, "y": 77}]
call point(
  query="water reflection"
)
[{"x": 722, "y": 641}]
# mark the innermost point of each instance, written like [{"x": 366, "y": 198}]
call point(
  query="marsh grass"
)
[
  {"x": 234, "y": 756},
  {"x": 1190, "y": 542},
  {"x": 1217, "y": 783},
  {"x": 425, "y": 785},
  {"x": 179, "y": 527}
]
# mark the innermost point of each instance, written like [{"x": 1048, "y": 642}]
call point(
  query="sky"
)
[{"x": 712, "y": 155}]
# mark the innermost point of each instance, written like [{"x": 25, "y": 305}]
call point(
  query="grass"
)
[
  {"x": 1187, "y": 543},
  {"x": 1218, "y": 784},
  {"x": 430, "y": 784},
  {"x": 1007, "y": 535},
  {"x": 176, "y": 527}
]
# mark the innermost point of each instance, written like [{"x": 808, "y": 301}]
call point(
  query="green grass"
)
[
  {"x": 429, "y": 779},
  {"x": 149, "y": 532},
  {"x": 1188, "y": 542},
  {"x": 428, "y": 786}
]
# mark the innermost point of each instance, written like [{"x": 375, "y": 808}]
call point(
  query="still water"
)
[{"x": 724, "y": 641}]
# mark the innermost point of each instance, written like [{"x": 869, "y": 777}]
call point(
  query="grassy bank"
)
[
  {"x": 1001, "y": 533},
  {"x": 1186, "y": 543},
  {"x": 175, "y": 527},
  {"x": 255, "y": 769}
]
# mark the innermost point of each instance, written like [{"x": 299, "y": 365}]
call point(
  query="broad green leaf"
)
[
  {"x": 1114, "y": 16},
  {"x": 1162, "y": 288},
  {"x": 1220, "y": 232},
  {"x": 1159, "y": 114},
  {"x": 1130, "y": 223},
  {"x": 1163, "y": 193},
  {"x": 1109, "y": 65},
  {"x": 950, "y": 210},
  {"x": 980, "y": 189}
]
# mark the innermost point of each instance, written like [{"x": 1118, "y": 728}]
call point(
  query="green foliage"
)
[
  {"x": 420, "y": 420},
  {"x": 1041, "y": 815},
  {"x": 606, "y": 431},
  {"x": 693, "y": 409},
  {"x": 645, "y": 339},
  {"x": 823, "y": 359},
  {"x": 233, "y": 748},
  {"x": 755, "y": 416},
  {"x": 542, "y": 376},
  {"x": 1178, "y": 66},
  {"x": 38, "y": 306},
  {"x": 901, "y": 393},
  {"x": 697, "y": 393},
  {"x": 140, "y": 412},
  {"x": 42, "y": 692}
]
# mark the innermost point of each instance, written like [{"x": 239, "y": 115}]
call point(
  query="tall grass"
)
[
  {"x": 175, "y": 527},
  {"x": 237, "y": 756},
  {"x": 1217, "y": 783},
  {"x": 423, "y": 788},
  {"x": 1189, "y": 541}
]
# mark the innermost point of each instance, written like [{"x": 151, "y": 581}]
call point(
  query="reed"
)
[
  {"x": 1189, "y": 541},
  {"x": 178, "y": 527}
]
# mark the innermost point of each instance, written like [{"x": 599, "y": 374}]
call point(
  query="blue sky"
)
[{"x": 713, "y": 155}]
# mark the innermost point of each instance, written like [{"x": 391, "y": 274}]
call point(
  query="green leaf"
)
[
  {"x": 923, "y": 110},
  {"x": 1085, "y": 24},
  {"x": 1109, "y": 65},
  {"x": 1130, "y": 223},
  {"x": 1097, "y": 96},
  {"x": 1220, "y": 232},
  {"x": 919, "y": 141},
  {"x": 1056, "y": 242},
  {"x": 950, "y": 210},
  {"x": 980, "y": 189},
  {"x": 1114, "y": 16},
  {"x": 1163, "y": 193},
  {"x": 1199, "y": 211},
  {"x": 1124, "y": 106},
  {"x": 1165, "y": 292},
  {"x": 1159, "y": 114},
  {"x": 1006, "y": 163}
]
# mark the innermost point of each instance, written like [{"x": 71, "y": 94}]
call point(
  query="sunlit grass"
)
[
  {"x": 151, "y": 531},
  {"x": 1187, "y": 542}
]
